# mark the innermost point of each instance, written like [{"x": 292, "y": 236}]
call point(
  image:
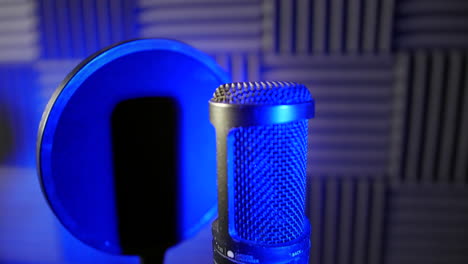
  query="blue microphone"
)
[{"x": 261, "y": 141}]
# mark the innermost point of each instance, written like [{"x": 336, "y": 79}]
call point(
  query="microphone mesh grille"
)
[
  {"x": 262, "y": 93},
  {"x": 269, "y": 169}
]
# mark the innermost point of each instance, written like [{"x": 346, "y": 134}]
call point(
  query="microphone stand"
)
[{"x": 154, "y": 257}]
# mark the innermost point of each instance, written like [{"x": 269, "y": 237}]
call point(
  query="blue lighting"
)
[{"x": 75, "y": 146}]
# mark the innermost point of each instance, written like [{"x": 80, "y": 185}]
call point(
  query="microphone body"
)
[{"x": 261, "y": 140}]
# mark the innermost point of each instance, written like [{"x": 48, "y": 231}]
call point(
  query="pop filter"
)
[{"x": 125, "y": 153}]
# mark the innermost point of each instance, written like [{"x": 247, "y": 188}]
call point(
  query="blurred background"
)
[{"x": 388, "y": 149}]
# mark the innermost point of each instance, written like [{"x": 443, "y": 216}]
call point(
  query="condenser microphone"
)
[{"x": 261, "y": 141}]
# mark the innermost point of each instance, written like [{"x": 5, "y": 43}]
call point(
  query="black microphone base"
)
[{"x": 228, "y": 251}]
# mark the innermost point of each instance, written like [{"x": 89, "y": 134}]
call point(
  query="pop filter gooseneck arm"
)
[{"x": 154, "y": 258}]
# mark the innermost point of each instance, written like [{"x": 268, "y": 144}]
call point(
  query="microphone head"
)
[
  {"x": 268, "y": 164},
  {"x": 262, "y": 93},
  {"x": 262, "y": 134}
]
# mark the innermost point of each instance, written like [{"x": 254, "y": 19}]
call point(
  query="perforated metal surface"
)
[
  {"x": 269, "y": 174},
  {"x": 261, "y": 93}
]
